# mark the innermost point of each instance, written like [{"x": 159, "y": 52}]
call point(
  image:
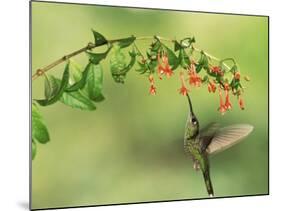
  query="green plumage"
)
[{"x": 198, "y": 144}]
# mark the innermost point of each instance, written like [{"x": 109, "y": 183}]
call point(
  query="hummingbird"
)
[{"x": 199, "y": 144}]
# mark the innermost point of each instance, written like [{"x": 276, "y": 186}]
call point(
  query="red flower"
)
[
  {"x": 237, "y": 75},
  {"x": 222, "y": 107},
  {"x": 183, "y": 90},
  {"x": 241, "y": 102},
  {"x": 227, "y": 101},
  {"x": 217, "y": 70},
  {"x": 152, "y": 89},
  {"x": 194, "y": 78},
  {"x": 212, "y": 87},
  {"x": 163, "y": 66}
]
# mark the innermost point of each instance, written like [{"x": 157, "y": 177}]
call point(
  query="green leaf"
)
[
  {"x": 184, "y": 60},
  {"x": 118, "y": 65},
  {"x": 79, "y": 84},
  {"x": 202, "y": 63},
  {"x": 126, "y": 42},
  {"x": 95, "y": 58},
  {"x": 233, "y": 69},
  {"x": 205, "y": 79},
  {"x": 94, "y": 82},
  {"x": 172, "y": 58},
  {"x": 177, "y": 46},
  {"x": 48, "y": 89},
  {"x": 75, "y": 71},
  {"x": 34, "y": 149},
  {"x": 152, "y": 65},
  {"x": 75, "y": 99},
  {"x": 51, "y": 87},
  {"x": 155, "y": 46},
  {"x": 58, "y": 94},
  {"x": 39, "y": 129},
  {"x": 99, "y": 38},
  {"x": 143, "y": 68}
]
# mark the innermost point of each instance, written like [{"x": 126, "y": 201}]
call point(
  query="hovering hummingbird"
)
[{"x": 199, "y": 144}]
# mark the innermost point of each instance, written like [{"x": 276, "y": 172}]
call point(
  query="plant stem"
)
[{"x": 90, "y": 46}]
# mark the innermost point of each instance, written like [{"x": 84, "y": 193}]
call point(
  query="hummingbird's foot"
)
[{"x": 196, "y": 166}]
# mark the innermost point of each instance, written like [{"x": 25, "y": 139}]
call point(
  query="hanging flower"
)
[
  {"x": 227, "y": 104},
  {"x": 222, "y": 107},
  {"x": 212, "y": 87},
  {"x": 163, "y": 66},
  {"x": 241, "y": 102},
  {"x": 217, "y": 70},
  {"x": 160, "y": 68},
  {"x": 183, "y": 90},
  {"x": 152, "y": 89},
  {"x": 194, "y": 78}
]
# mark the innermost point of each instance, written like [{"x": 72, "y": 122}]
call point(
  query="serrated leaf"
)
[
  {"x": 95, "y": 58},
  {"x": 58, "y": 94},
  {"x": 126, "y": 42},
  {"x": 99, "y": 38},
  {"x": 39, "y": 129},
  {"x": 94, "y": 82},
  {"x": 33, "y": 149},
  {"x": 172, "y": 58}
]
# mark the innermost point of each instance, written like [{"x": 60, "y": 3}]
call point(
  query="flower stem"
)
[{"x": 41, "y": 71}]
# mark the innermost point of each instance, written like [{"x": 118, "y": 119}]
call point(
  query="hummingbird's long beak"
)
[{"x": 190, "y": 104}]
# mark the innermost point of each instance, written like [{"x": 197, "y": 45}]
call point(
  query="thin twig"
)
[{"x": 90, "y": 46}]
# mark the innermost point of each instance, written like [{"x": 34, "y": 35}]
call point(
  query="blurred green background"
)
[{"x": 131, "y": 148}]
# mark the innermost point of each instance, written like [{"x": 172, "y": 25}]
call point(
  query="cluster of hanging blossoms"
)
[{"x": 217, "y": 79}]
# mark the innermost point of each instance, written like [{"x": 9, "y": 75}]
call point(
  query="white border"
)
[{"x": 14, "y": 103}]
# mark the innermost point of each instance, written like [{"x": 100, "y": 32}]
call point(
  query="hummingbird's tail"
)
[{"x": 208, "y": 183}]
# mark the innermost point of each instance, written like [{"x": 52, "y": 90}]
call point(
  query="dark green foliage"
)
[
  {"x": 99, "y": 38},
  {"x": 74, "y": 99},
  {"x": 173, "y": 59},
  {"x": 39, "y": 129},
  {"x": 95, "y": 58},
  {"x": 118, "y": 66},
  {"x": 184, "y": 60},
  {"x": 126, "y": 42},
  {"x": 93, "y": 88},
  {"x": 203, "y": 63},
  {"x": 54, "y": 96}
]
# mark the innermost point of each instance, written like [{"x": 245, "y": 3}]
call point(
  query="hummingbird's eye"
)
[{"x": 194, "y": 121}]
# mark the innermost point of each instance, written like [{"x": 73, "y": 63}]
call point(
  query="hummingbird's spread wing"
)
[
  {"x": 227, "y": 137},
  {"x": 207, "y": 134}
]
